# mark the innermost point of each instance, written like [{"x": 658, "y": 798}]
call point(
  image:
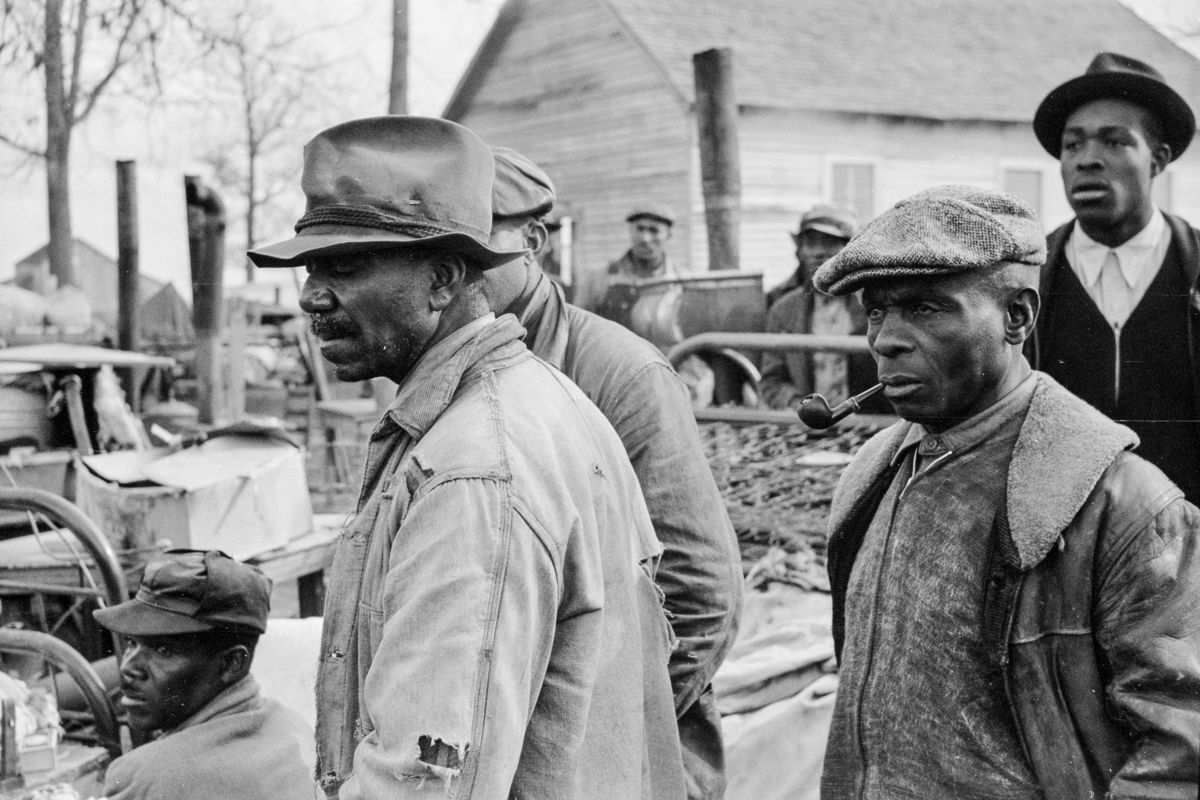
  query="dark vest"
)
[{"x": 1155, "y": 395}]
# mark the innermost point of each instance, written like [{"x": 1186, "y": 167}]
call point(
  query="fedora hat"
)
[
  {"x": 392, "y": 182},
  {"x": 1115, "y": 76}
]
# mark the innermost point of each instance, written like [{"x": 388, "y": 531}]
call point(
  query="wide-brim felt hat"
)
[
  {"x": 394, "y": 182},
  {"x": 1116, "y": 76}
]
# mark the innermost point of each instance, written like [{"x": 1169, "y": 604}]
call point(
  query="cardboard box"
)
[{"x": 241, "y": 494}]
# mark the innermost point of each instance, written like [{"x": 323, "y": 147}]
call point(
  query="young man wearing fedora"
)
[
  {"x": 635, "y": 388},
  {"x": 1016, "y": 595},
  {"x": 491, "y": 623},
  {"x": 1121, "y": 309},
  {"x": 189, "y": 635}
]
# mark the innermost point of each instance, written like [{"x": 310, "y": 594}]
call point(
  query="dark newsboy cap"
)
[
  {"x": 1111, "y": 75},
  {"x": 392, "y": 182},
  {"x": 657, "y": 211},
  {"x": 521, "y": 188},
  {"x": 192, "y": 591},
  {"x": 941, "y": 231},
  {"x": 833, "y": 220}
]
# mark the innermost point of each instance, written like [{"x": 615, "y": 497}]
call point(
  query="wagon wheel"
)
[{"x": 65, "y": 515}]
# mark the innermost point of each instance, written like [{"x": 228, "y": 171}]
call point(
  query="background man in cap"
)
[
  {"x": 1120, "y": 303},
  {"x": 190, "y": 634},
  {"x": 491, "y": 620},
  {"x": 650, "y": 230},
  {"x": 1015, "y": 593},
  {"x": 794, "y": 307},
  {"x": 633, "y": 385},
  {"x": 824, "y": 231},
  {"x": 650, "y": 227}
]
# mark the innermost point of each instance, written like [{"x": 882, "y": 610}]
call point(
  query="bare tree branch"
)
[{"x": 21, "y": 146}]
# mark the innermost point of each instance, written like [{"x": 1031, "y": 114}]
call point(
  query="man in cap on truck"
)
[{"x": 795, "y": 307}]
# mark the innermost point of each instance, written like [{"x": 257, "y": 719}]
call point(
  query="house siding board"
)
[
  {"x": 560, "y": 62},
  {"x": 910, "y": 156},
  {"x": 591, "y": 90}
]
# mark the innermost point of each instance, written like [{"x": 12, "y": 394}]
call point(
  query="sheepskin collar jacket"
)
[{"x": 1092, "y": 605}]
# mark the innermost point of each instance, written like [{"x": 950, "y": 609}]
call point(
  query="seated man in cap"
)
[
  {"x": 1119, "y": 315},
  {"x": 190, "y": 634},
  {"x": 1015, "y": 593},
  {"x": 793, "y": 307},
  {"x": 633, "y": 385},
  {"x": 491, "y": 627}
]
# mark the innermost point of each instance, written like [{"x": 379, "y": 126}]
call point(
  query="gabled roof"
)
[
  {"x": 939, "y": 59},
  {"x": 988, "y": 60},
  {"x": 82, "y": 247}
]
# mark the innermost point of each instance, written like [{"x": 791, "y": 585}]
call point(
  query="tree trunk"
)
[
  {"x": 58, "y": 152},
  {"x": 251, "y": 212},
  {"x": 398, "y": 88}
]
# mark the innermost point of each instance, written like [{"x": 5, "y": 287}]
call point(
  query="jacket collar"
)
[
  {"x": 545, "y": 319},
  {"x": 241, "y": 696},
  {"x": 1063, "y": 448},
  {"x": 429, "y": 388}
]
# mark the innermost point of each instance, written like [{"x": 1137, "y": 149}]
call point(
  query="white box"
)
[{"x": 241, "y": 494}]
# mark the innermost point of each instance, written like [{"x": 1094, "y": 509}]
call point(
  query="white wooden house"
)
[{"x": 852, "y": 101}]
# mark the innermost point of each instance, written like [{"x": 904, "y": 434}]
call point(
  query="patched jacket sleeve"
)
[
  {"x": 700, "y": 572},
  {"x": 465, "y": 631},
  {"x": 1148, "y": 614}
]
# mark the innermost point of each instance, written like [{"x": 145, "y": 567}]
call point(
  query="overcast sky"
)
[{"x": 445, "y": 34}]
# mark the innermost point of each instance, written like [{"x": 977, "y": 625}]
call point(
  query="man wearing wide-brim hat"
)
[
  {"x": 1016, "y": 595},
  {"x": 491, "y": 624},
  {"x": 1120, "y": 317}
]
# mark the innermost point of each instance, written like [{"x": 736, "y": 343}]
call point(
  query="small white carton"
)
[{"x": 244, "y": 494}]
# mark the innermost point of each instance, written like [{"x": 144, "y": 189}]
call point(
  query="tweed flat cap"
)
[{"x": 941, "y": 231}]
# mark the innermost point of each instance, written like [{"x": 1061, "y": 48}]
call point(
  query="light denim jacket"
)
[{"x": 491, "y": 625}]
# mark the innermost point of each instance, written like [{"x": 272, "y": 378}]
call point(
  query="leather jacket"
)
[{"x": 1092, "y": 609}]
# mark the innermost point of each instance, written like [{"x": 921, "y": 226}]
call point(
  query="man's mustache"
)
[{"x": 327, "y": 327}]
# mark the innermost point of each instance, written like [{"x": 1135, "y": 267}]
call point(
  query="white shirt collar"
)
[{"x": 1132, "y": 256}]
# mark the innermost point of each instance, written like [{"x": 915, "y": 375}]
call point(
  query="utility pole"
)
[
  {"x": 720, "y": 165},
  {"x": 206, "y": 247},
  {"x": 128, "y": 281}
]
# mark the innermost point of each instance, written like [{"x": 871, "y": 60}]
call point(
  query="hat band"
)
[{"x": 369, "y": 217}]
